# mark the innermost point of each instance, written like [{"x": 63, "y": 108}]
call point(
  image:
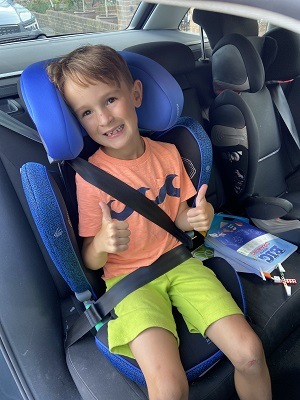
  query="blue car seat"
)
[{"x": 65, "y": 140}]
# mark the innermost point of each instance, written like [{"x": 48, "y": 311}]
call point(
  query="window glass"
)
[
  {"x": 187, "y": 24},
  {"x": 59, "y": 17},
  {"x": 262, "y": 27}
]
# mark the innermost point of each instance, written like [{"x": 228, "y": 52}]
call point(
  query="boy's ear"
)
[{"x": 138, "y": 93}]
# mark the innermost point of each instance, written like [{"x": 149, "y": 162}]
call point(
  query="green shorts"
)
[{"x": 191, "y": 287}]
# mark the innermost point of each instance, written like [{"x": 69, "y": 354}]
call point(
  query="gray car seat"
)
[{"x": 246, "y": 137}]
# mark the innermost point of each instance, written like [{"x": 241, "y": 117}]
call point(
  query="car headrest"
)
[
  {"x": 266, "y": 48},
  {"x": 236, "y": 65},
  {"x": 175, "y": 57},
  {"x": 60, "y": 131},
  {"x": 217, "y": 25},
  {"x": 286, "y": 65}
]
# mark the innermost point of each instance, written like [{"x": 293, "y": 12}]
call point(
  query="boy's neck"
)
[{"x": 135, "y": 151}]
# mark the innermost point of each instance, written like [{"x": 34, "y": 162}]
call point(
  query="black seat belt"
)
[
  {"x": 13, "y": 124},
  {"x": 284, "y": 110},
  {"x": 100, "y": 309}
]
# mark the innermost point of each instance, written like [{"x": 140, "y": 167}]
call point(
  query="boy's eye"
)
[
  {"x": 111, "y": 100},
  {"x": 85, "y": 113}
]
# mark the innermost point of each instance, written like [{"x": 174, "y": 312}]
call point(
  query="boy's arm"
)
[
  {"x": 197, "y": 218},
  {"x": 113, "y": 237},
  {"x": 93, "y": 259}
]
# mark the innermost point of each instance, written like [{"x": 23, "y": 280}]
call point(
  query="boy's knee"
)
[
  {"x": 251, "y": 356},
  {"x": 168, "y": 387}
]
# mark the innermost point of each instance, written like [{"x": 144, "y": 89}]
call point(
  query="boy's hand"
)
[
  {"x": 200, "y": 217},
  {"x": 113, "y": 236}
]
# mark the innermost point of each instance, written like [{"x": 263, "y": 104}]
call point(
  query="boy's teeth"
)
[{"x": 114, "y": 131}]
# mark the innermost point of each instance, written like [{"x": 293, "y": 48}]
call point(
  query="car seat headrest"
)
[
  {"x": 217, "y": 25},
  {"x": 236, "y": 65},
  {"x": 175, "y": 57},
  {"x": 266, "y": 48},
  {"x": 60, "y": 131},
  {"x": 286, "y": 65}
]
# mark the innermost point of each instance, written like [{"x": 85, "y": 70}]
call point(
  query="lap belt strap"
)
[{"x": 138, "y": 278}]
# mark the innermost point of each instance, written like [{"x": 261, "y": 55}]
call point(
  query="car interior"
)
[{"x": 228, "y": 83}]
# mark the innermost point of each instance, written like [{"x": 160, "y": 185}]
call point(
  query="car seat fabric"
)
[
  {"x": 246, "y": 135},
  {"x": 237, "y": 67},
  {"x": 286, "y": 63},
  {"x": 38, "y": 186},
  {"x": 42, "y": 196}
]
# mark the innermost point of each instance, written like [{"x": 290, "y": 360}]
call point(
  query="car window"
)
[
  {"x": 187, "y": 24},
  {"x": 60, "y": 17},
  {"x": 262, "y": 27}
]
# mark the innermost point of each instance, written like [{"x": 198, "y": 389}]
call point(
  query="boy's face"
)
[{"x": 107, "y": 112}]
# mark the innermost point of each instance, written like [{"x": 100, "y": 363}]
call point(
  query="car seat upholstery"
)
[{"x": 246, "y": 137}]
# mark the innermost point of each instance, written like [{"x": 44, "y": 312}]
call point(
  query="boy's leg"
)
[
  {"x": 156, "y": 351},
  {"x": 234, "y": 336}
]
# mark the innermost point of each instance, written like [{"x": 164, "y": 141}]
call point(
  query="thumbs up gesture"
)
[
  {"x": 113, "y": 236},
  {"x": 200, "y": 217}
]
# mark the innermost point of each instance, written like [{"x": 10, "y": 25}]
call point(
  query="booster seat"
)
[{"x": 64, "y": 139}]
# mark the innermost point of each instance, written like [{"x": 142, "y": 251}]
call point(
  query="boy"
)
[{"x": 97, "y": 85}]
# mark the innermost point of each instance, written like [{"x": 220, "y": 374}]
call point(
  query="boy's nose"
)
[{"x": 104, "y": 117}]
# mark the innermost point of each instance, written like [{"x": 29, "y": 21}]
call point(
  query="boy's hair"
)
[{"x": 89, "y": 64}]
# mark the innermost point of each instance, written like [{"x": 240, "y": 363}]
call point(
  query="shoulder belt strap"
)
[
  {"x": 284, "y": 110},
  {"x": 129, "y": 196}
]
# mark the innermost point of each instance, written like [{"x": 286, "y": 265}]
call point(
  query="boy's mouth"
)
[{"x": 115, "y": 131}]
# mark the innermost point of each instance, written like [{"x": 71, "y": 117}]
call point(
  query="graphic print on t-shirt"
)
[{"x": 167, "y": 189}]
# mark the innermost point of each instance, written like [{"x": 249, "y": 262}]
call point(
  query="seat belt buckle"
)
[{"x": 93, "y": 316}]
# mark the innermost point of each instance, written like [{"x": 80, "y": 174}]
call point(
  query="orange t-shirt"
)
[{"x": 160, "y": 175}]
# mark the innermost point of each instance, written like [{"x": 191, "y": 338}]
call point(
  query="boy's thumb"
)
[
  {"x": 105, "y": 211},
  {"x": 201, "y": 194}
]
